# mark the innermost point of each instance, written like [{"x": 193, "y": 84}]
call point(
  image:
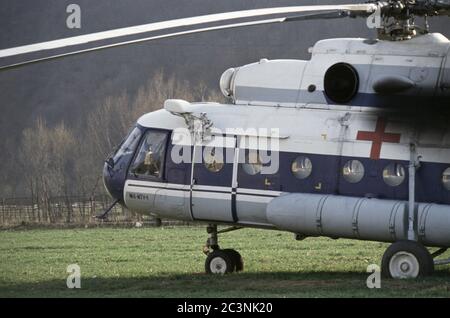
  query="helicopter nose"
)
[{"x": 113, "y": 181}]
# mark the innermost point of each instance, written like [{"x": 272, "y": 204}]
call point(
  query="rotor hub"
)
[{"x": 396, "y": 19}]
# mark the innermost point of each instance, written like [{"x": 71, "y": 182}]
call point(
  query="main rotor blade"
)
[
  {"x": 326, "y": 15},
  {"x": 158, "y": 26},
  {"x": 164, "y": 36},
  {"x": 337, "y": 14}
]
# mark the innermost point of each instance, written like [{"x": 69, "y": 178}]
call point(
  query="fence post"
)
[
  {"x": 39, "y": 207},
  {"x": 3, "y": 211},
  {"x": 91, "y": 208},
  {"x": 69, "y": 209}
]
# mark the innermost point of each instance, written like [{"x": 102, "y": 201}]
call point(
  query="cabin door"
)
[
  {"x": 211, "y": 179},
  {"x": 257, "y": 178}
]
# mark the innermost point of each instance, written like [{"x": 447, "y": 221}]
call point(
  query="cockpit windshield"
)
[{"x": 129, "y": 145}]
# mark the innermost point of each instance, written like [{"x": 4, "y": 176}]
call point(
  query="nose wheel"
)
[{"x": 221, "y": 261}]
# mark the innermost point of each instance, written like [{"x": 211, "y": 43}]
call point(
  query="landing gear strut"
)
[{"x": 220, "y": 261}]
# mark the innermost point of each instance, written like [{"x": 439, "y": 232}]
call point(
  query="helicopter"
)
[{"x": 353, "y": 143}]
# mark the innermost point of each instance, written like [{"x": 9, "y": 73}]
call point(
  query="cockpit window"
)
[
  {"x": 129, "y": 145},
  {"x": 150, "y": 157}
]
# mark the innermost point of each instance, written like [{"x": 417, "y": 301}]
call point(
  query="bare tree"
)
[
  {"x": 35, "y": 160},
  {"x": 66, "y": 161}
]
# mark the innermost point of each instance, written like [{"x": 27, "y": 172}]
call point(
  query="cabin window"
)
[
  {"x": 150, "y": 157},
  {"x": 213, "y": 158},
  {"x": 446, "y": 179},
  {"x": 301, "y": 167},
  {"x": 394, "y": 174},
  {"x": 252, "y": 164},
  {"x": 353, "y": 171}
]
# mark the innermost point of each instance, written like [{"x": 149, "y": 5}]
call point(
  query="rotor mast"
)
[{"x": 397, "y": 18}]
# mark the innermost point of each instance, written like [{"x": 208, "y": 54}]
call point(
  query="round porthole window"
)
[
  {"x": 252, "y": 163},
  {"x": 446, "y": 179},
  {"x": 353, "y": 171},
  {"x": 394, "y": 174},
  {"x": 341, "y": 83},
  {"x": 213, "y": 159},
  {"x": 301, "y": 167}
]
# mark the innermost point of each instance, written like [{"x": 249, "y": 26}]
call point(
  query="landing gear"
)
[
  {"x": 220, "y": 261},
  {"x": 237, "y": 260},
  {"x": 407, "y": 259}
]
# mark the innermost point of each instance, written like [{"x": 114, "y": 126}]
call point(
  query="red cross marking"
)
[{"x": 378, "y": 137}]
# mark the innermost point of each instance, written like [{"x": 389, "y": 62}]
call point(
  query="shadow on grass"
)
[{"x": 264, "y": 284}]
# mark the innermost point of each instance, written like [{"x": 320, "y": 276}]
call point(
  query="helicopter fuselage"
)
[{"x": 342, "y": 147}]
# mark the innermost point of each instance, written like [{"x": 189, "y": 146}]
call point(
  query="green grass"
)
[{"x": 168, "y": 262}]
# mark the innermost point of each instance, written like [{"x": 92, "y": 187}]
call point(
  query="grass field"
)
[{"x": 168, "y": 262}]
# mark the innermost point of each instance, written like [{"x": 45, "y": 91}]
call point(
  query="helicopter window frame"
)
[
  {"x": 391, "y": 179},
  {"x": 161, "y": 176},
  {"x": 248, "y": 166},
  {"x": 299, "y": 171},
  {"x": 446, "y": 179},
  {"x": 211, "y": 165},
  {"x": 350, "y": 178},
  {"x": 128, "y": 145}
]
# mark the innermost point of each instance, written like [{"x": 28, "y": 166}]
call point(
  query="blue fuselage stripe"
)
[{"x": 326, "y": 178}]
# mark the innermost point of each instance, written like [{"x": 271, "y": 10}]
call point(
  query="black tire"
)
[
  {"x": 421, "y": 255},
  {"x": 219, "y": 262},
  {"x": 237, "y": 259}
]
